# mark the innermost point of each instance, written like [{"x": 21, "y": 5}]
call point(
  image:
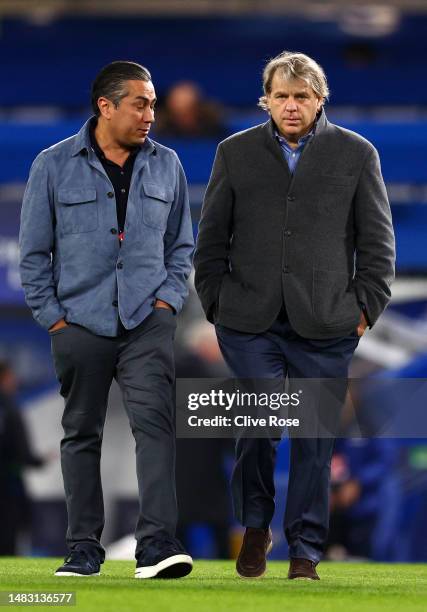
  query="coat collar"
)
[
  {"x": 320, "y": 126},
  {"x": 273, "y": 144}
]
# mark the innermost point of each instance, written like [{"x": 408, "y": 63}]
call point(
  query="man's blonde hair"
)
[{"x": 294, "y": 66}]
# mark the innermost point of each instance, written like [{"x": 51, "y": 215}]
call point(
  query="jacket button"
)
[
  {"x": 113, "y": 230},
  {"x": 291, "y": 198},
  {"x": 115, "y": 303},
  {"x": 288, "y": 233},
  {"x": 120, "y": 265},
  {"x": 110, "y": 194},
  {"x": 286, "y": 269}
]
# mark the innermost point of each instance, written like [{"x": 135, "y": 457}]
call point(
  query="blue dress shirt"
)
[{"x": 292, "y": 155}]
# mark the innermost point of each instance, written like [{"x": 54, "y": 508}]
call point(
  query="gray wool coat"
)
[{"x": 320, "y": 241}]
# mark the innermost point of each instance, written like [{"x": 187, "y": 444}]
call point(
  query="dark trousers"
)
[
  {"x": 141, "y": 360},
  {"x": 277, "y": 353}
]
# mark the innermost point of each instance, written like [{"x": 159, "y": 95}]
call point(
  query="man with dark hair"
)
[
  {"x": 295, "y": 257},
  {"x": 105, "y": 250},
  {"x": 110, "y": 82}
]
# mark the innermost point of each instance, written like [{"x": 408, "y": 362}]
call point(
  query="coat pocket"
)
[
  {"x": 337, "y": 180},
  {"x": 334, "y": 302},
  {"x": 156, "y": 205},
  {"x": 78, "y": 209}
]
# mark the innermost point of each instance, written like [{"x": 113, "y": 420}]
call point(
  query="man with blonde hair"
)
[{"x": 295, "y": 258}]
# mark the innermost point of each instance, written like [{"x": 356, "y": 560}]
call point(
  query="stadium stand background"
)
[{"x": 375, "y": 60}]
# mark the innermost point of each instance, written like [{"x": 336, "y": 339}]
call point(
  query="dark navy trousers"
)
[{"x": 277, "y": 353}]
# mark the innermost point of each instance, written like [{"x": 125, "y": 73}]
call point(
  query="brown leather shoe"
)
[
  {"x": 256, "y": 545},
  {"x": 302, "y": 569}
]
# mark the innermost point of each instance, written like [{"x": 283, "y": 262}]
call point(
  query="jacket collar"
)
[
  {"x": 82, "y": 141},
  {"x": 271, "y": 142},
  {"x": 319, "y": 127}
]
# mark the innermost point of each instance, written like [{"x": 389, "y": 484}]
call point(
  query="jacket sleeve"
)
[
  {"x": 211, "y": 259},
  {"x": 178, "y": 246},
  {"x": 375, "y": 247},
  {"x": 36, "y": 243}
]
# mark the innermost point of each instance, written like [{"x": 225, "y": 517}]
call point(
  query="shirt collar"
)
[
  {"x": 93, "y": 121},
  {"x": 301, "y": 141}
]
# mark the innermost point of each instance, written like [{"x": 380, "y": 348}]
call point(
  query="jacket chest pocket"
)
[
  {"x": 336, "y": 184},
  {"x": 334, "y": 195},
  {"x": 78, "y": 210},
  {"x": 156, "y": 205}
]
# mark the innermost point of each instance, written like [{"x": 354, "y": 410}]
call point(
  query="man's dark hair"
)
[{"x": 110, "y": 82}]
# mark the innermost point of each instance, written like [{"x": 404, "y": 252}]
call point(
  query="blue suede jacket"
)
[{"x": 71, "y": 261}]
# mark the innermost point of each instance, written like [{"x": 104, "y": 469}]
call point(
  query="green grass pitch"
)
[{"x": 214, "y": 587}]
